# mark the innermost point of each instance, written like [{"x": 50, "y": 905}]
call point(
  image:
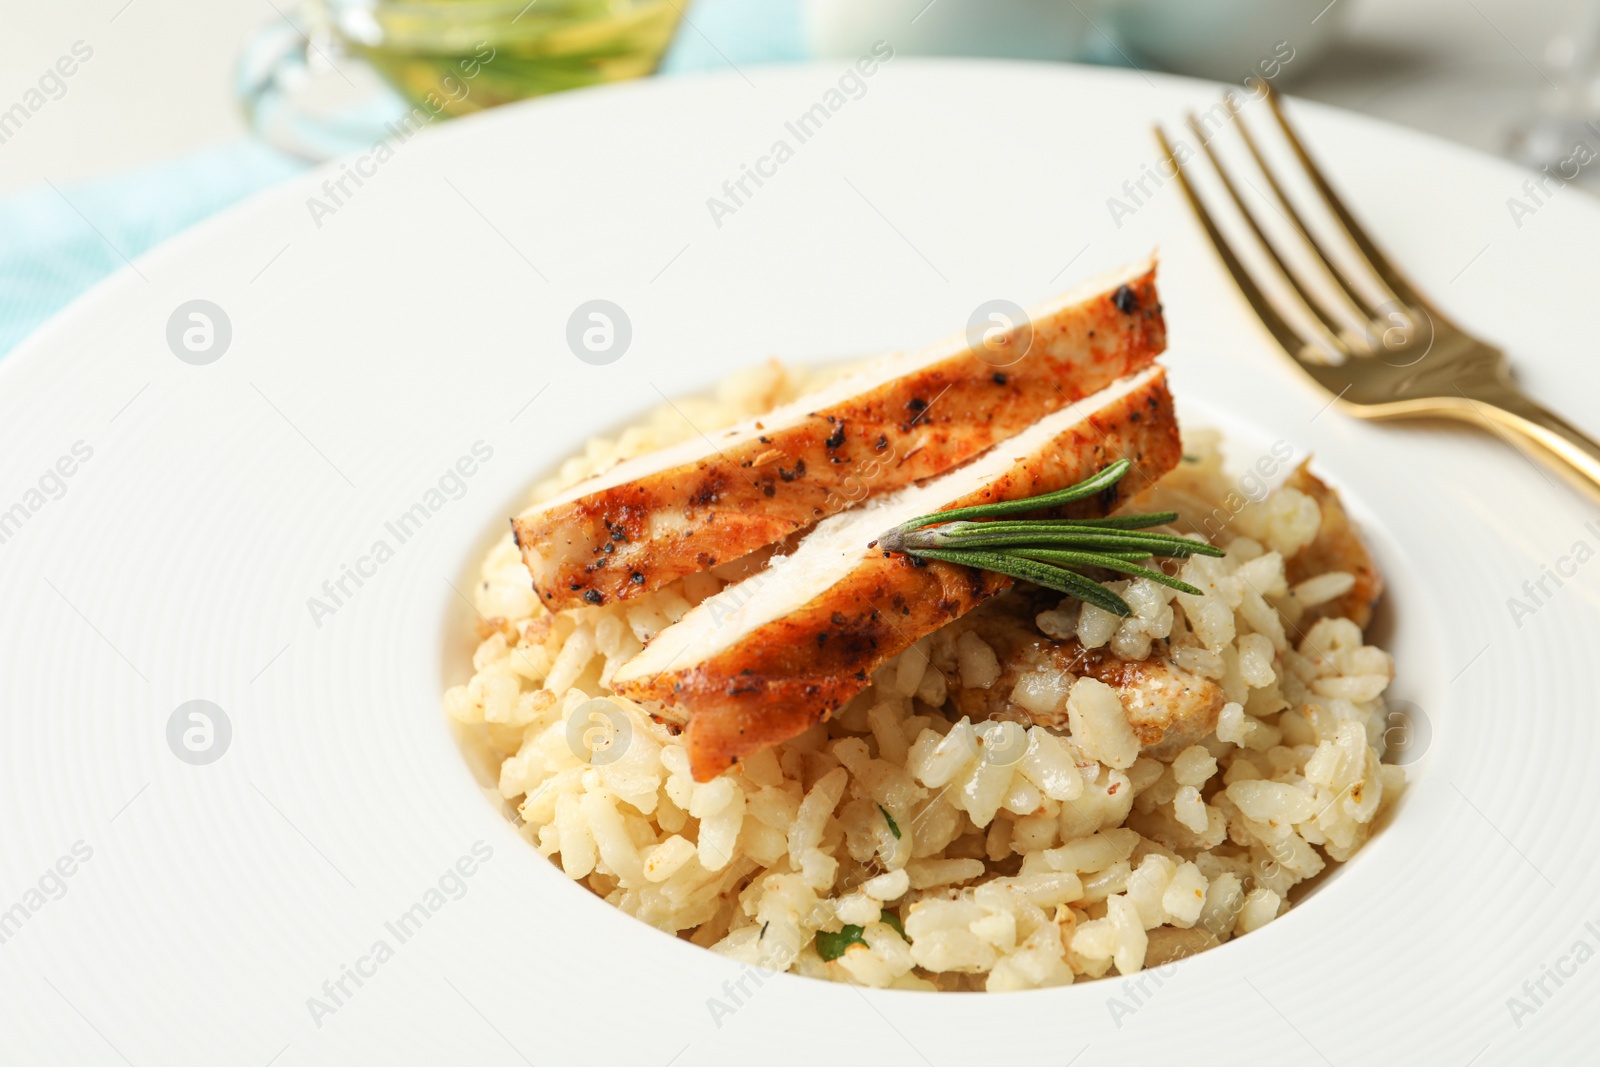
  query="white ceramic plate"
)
[{"x": 429, "y": 312}]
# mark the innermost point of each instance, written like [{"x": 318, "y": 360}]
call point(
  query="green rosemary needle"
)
[
  {"x": 1051, "y": 577},
  {"x": 1104, "y": 561},
  {"x": 998, "y": 534},
  {"x": 1118, "y": 522},
  {"x": 1047, "y": 552},
  {"x": 1099, "y": 483}
]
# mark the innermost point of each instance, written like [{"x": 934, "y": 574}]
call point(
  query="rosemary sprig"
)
[
  {"x": 1051, "y": 577},
  {"x": 998, "y": 534},
  {"x": 1047, "y": 552},
  {"x": 1118, "y": 522},
  {"x": 1061, "y": 558},
  {"x": 1099, "y": 483}
]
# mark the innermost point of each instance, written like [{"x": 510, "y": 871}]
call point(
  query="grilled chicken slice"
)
[
  {"x": 766, "y": 658},
  {"x": 708, "y": 500},
  {"x": 1337, "y": 547},
  {"x": 1168, "y": 707}
]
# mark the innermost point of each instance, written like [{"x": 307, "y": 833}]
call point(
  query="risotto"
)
[{"x": 980, "y": 817}]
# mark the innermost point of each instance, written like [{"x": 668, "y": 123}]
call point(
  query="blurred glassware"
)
[
  {"x": 1225, "y": 40},
  {"x": 336, "y": 75},
  {"x": 1562, "y": 137},
  {"x": 1014, "y": 29}
]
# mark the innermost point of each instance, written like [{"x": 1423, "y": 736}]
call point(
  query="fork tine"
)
[
  {"x": 1340, "y": 279},
  {"x": 1315, "y": 305},
  {"x": 1397, "y": 284},
  {"x": 1286, "y": 336}
]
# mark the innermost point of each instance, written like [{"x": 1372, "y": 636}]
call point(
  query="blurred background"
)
[{"x": 124, "y": 121}]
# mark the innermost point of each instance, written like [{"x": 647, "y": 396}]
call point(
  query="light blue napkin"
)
[{"x": 61, "y": 239}]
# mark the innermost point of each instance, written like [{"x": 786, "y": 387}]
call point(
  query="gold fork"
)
[{"x": 1395, "y": 358}]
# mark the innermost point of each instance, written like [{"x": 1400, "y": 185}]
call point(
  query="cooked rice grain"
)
[{"x": 1012, "y": 856}]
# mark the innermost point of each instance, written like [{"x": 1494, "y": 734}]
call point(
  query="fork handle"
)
[{"x": 1510, "y": 408}]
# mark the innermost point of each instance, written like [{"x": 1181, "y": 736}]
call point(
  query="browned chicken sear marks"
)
[{"x": 665, "y": 511}]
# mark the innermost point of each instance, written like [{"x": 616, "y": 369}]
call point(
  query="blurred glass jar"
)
[
  {"x": 1225, "y": 40},
  {"x": 335, "y": 74},
  {"x": 1015, "y": 29}
]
